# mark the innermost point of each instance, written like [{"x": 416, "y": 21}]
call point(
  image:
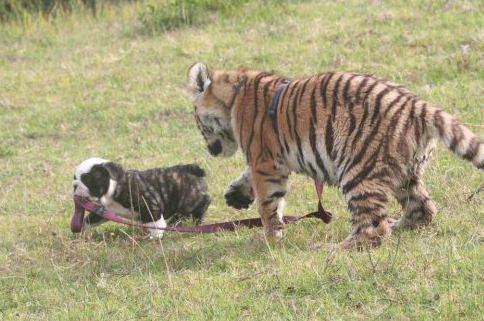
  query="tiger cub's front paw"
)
[{"x": 239, "y": 197}]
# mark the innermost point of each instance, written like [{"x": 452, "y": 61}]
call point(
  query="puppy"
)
[{"x": 152, "y": 197}]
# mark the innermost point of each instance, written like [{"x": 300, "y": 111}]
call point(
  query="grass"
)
[
  {"x": 171, "y": 14},
  {"x": 77, "y": 87}
]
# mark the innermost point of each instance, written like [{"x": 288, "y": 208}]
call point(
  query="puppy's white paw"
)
[{"x": 156, "y": 233}]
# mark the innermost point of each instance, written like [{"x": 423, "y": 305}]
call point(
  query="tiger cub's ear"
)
[{"x": 199, "y": 79}]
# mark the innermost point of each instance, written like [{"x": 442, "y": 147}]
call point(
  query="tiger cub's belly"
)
[{"x": 314, "y": 163}]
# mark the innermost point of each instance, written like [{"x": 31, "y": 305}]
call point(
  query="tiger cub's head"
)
[{"x": 212, "y": 95}]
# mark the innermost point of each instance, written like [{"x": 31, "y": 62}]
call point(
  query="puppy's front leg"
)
[
  {"x": 92, "y": 220},
  {"x": 270, "y": 183},
  {"x": 155, "y": 233}
]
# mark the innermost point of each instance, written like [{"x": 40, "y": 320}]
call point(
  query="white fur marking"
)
[
  {"x": 84, "y": 168},
  {"x": 111, "y": 205},
  {"x": 155, "y": 233}
]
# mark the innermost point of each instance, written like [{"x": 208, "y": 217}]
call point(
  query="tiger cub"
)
[{"x": 364, "y": 134}]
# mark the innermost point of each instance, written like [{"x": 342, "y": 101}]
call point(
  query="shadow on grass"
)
[{"x": 125, "y": 250}]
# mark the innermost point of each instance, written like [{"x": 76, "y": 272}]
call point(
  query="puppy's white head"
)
[{"x": 94, "y": 179}]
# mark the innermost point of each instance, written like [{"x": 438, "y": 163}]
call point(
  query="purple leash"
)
[{"x": 82, "y": 204}]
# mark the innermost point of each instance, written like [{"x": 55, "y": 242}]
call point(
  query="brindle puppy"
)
[{"x": 151, "y": 196}]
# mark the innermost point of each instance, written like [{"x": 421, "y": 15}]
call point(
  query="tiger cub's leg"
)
[
  {"x": 368, "y": 205},
  {"x": 418, "y": 208},
  {"x": 270, "y": 188}
]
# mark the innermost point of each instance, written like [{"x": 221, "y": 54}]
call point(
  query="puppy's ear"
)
[
  {"x": 115, "y": 171},
  {"x": 96, "y": 180},
  {"x": 199, "y": 79}
]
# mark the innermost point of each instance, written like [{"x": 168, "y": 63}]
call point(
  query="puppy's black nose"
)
[
  {"x": 215, "y": 148},
  {"x": 75, "y": 187}
]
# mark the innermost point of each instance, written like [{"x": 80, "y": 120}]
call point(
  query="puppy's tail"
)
[{"x": 195, "y": 170}]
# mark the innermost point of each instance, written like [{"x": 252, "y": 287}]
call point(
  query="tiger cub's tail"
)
[{"x": 457, "y": 137}]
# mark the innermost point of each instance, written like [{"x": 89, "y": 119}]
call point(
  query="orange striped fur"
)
[{"x": 362, "y": 133}]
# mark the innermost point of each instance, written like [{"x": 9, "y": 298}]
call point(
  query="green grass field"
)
[{"x": 78, "y": 86}]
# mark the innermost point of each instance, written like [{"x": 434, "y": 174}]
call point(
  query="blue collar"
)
[{"x": 275, "y": 102}]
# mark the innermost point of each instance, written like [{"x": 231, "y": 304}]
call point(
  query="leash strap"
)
[
  {"x": 208, "y": 228},
  {"x": 275, "y": 102},
  {"x": 322, "y": 213},
  {"x": 477, "y": 191}
]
